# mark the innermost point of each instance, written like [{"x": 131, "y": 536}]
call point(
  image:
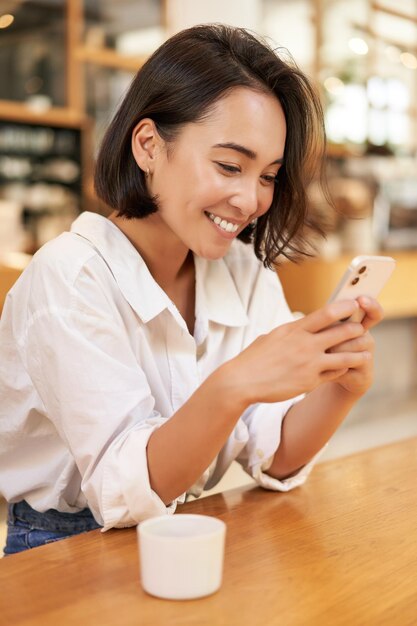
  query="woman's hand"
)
[
  {"x": 297, "y": 357},
  {"x": 357, "y": 380}
]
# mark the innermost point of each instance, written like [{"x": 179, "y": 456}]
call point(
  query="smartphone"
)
[{"x": 365, "y": 276}]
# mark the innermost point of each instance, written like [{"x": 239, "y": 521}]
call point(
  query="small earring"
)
[{"x": 147, "y": 172}]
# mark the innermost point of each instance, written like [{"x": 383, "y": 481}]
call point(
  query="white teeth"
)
[{"x": 229, "y": 227}]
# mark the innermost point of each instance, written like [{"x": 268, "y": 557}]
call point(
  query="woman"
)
[{"x": 143, "y": 353}]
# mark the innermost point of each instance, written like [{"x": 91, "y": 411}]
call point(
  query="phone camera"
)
[
  {"x": 362, "y": 269},
  {"x": 355, "y": 280}
]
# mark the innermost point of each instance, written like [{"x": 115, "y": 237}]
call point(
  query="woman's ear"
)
[{"x": 146, "y": 143}]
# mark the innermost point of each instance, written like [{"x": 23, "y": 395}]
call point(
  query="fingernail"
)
[{"x": 365, "y": 301}]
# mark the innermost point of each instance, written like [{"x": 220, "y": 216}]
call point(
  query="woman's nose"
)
[{"x": 246, "y": 199}]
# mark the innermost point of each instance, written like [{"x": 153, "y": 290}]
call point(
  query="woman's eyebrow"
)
[{"x": 246, "y": 151}]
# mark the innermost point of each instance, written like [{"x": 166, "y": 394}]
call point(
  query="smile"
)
[{"x": 228, "y": 227}]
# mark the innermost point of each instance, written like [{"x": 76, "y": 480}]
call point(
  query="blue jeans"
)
[{"x": 27, "y": 528}]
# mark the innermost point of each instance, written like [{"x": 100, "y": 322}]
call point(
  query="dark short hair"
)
[{"x": 179, "y": 84}]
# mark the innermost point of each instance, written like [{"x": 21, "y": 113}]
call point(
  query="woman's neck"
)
[
  {"x": 168, "y": 260},
  {"x": 165, "y": 256}
]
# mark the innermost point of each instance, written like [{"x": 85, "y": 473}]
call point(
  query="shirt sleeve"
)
[
  {"x": 264, "y": 423},
  {"x": 93, "y": 389}
]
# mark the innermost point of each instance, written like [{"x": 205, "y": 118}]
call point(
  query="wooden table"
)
[{"x": 342, "y": 549}]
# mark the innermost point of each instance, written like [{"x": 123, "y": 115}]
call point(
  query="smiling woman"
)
[
  {"x": 235, "y": 181},
  {"x": 143, "y": 353},
  {"x": 191, "y": 89}
]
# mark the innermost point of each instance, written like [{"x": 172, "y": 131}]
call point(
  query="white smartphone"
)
[{"x": 365, "y": 276}]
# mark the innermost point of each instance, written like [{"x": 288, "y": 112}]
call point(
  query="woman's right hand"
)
[{"x": 295, "y": 358}]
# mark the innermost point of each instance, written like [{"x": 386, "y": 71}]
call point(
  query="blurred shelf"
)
[
  {"x": 110, "y": 58},
  {"x": 52, "y": 116},
  {"x": 309, "y": 284}
]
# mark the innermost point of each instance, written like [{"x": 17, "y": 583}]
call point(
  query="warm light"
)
[
  {"x": 334, "y": 85},
  {"x": 347, "y": 117},
  {"x": 377, "y": 92},
  {"x": 409, "y": 60},
  {"x": 358, "y": 45},
  {"x": 6, "y": 20}
]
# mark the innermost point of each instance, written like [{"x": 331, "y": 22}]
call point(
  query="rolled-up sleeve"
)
[
  {"x": 264, "y": 423},
  {"x": 126, "y": 496}
]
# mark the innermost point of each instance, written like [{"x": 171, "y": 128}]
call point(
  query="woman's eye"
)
[
  {"x": 231, "y": 169},
  {"x": 269, "y": 179}
]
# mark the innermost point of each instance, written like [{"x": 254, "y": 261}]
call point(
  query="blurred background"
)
[{"x": 66, "y": 64}]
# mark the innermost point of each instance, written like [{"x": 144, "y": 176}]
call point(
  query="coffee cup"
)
[{"x": 181, "y": 556}]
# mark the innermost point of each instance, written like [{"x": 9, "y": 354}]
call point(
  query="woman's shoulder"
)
[
  {"x": 63, "y": 256},
  {"x": 57, "y": 270},
  {"x": 67, "y": 254}
]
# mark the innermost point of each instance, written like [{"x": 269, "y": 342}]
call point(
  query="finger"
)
[
  {"x": 374, "y": 312},
  {"x": 345, "y": 360},
  {"x": 329, "y": 375},
  {"x": 360, "y": 344},
  {"x": 339, "y": 333},
  {"x": 328, "y": 315}
]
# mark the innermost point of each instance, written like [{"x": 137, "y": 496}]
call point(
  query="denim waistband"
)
[{"x": 51, "y": 519}]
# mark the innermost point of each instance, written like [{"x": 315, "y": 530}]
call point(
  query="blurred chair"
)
[{"x": 12, "y": 265}]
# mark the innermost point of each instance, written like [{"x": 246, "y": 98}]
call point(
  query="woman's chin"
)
[{"x": 213, "y": 253}]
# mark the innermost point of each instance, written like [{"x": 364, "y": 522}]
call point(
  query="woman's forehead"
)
[{"x": 244, "y": 117}]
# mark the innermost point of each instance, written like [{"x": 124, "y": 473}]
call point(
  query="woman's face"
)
[{"x": 219, "y": 173}]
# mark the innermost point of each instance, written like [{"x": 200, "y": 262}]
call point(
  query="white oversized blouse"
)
[{"x": 94, "y": 357}]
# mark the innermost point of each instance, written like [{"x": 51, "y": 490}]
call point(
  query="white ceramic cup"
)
[{"x": 181, "y": 556}]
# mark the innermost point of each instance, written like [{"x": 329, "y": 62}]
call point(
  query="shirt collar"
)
[
  {"x": 216, "y": 293},
  {"x": 130, "y": 271}
]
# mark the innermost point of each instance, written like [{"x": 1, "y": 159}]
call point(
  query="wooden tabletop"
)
[{"x": 342, "y": 549}]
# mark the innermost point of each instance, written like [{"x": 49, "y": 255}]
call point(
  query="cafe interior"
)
[{"x": 64, "y": 66}]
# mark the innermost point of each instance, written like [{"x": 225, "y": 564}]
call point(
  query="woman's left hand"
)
[{"x": 357, "y": 381}]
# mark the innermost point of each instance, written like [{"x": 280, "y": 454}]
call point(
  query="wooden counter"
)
[
  {"x": 309, "y": 284},
  {"x": 340, "y": 550}
]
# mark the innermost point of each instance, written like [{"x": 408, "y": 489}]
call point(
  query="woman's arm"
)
[
  {"x": 180, "y": 450},
  {"x": 310, "y": 423},
  {"x": 308, "y": 426},
  {"x": 294, "y": 358}
]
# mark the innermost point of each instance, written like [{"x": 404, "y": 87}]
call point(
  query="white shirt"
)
[{"x": 94, "y": 357}]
